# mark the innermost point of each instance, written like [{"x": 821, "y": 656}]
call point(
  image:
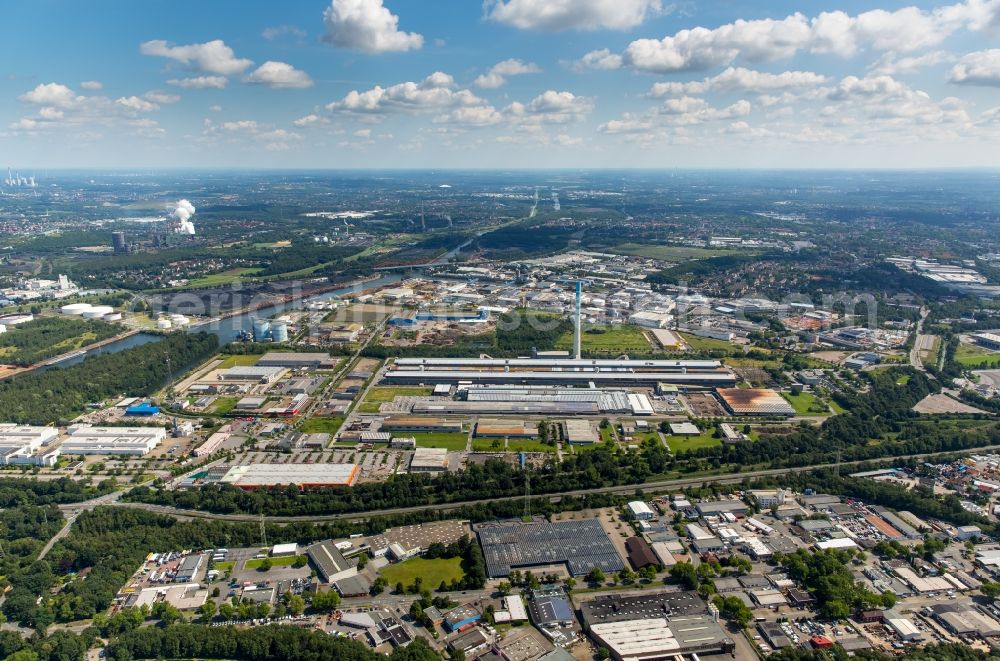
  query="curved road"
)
[{"x": 624, "y": 488}]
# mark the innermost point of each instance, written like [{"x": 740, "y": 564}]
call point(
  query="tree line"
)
[
  {"x": 57, "y": 395},
  {"x": 45, "y": 337}
]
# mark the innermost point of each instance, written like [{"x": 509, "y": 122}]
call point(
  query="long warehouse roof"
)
[
  {"x": 558, "y": 362},
  {"x": 435, "y": 376}
]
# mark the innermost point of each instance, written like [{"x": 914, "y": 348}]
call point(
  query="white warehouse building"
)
[
  {"x": 85, "y": 439},
  {"x": 19, "y": 444}
]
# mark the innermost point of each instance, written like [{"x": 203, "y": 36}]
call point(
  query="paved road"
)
[
  {"x": 662, "y": 485},
  {"x": 921, "y": 342}
]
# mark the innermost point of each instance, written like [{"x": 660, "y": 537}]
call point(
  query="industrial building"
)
[
  {"x": 489, "y": 428},
  {"x": 257, "y": 373},
  {"x": 19, "y": 443},
  {"x": 294, "y": 360},
  {"x": 416, "y": 424},
  {"x": 429, "y": 460},
  {"x": 754, "y": 401},
  {"x": 654, "y": 626},
  {"x": 330, "y": 563},
  {"x": 580, "y": 432},
  {"x": 85, "y": 439},
  {"x": 580, "y": 545},
  {"x": 304, "y": 476},
  {"x": 965, "y": 619},
  {"x": 560, "y": 371}
]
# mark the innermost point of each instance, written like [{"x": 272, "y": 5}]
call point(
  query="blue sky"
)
[{"x": 505, "y": 83}]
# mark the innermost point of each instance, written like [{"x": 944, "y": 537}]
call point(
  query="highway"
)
[
  {"x": 660, "y": 485},
  {"x": 921, "y": 342}
]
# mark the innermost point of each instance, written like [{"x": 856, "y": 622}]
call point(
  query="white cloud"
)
[
  {"x": 602, "y": 59},
  {"x": 136, "y": 104},
  {"x": 571, "y": 14},
  {"x": 473, "y": 117},
  {"x": 738, "y": 79},
  {"x": 279, "y": 75},
  {"x": 200, "y": 82},
  {"x": 51, "y": 94},
  {"x": 550, "y": 107},
  {"x": 368, "y": 26},
  {"x": 901, "y": 31},
  {"x": 363, "y": 133},
  {"x": 499, "y": 72},
  {"x": 162, "y": 97},
  {"x": 211, "y": 57},
  {"x": 308, "y": 120},
  {"x": 91, "y": 85},
  {"x": 279, "y": 31},
  {"x": 979, "y": 68},
  {"x": 436, "y": 92},
  {"x": 890, "y": 64},
  {"x": 51, "y": 114},
  {"x": 241, "y": 125},
  {"x": 215, "y": 108},
  {"x": 59, "y": 107}
]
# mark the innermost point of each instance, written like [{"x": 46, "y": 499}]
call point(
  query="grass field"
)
[
  {"x": 452, "y": 441},
  {"x": 806, "y": 404},
  {"x": 223, "y": 566},
  {"x": 431, "y": 572},
  {"x": 379, "y": 395},
  {"x": 683, "y": 443},
  {"x": 321, "y": 425},
  {"x": 607, "y": 434},
  {"x": 224, "y": 405},
  {"x": 233, "y": 361},
  {"x": 528, "y": 445},
  {"x": 669, "y": 253},
  {"x": 970, "y": 355},
  {"x": 223, "y": 278},
  {"x": 705, "y": 343},
  {"x": 487, "y": 445},
  {"x": 283, "y": 561},
  {"x": 608, "y": 339}
]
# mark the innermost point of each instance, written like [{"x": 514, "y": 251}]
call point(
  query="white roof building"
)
[
  {"x": 837, "y": 543},
  {"x": 85, "y": 439}
]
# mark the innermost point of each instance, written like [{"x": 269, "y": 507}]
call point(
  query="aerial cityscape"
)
[{"x": 523, "y": 330}]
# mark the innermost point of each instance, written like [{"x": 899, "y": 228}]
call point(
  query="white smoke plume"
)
[{"x": 182, "y": 213}]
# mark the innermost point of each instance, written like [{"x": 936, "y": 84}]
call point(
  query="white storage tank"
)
[
  {"x": 75, "y": 309},
  {"x": 179, "y": 320},
  {"x": 114, "y": 316},
  {"x": 163, "y": 324},
  {"x": 279, "y": 331},
  {"x": 97, "y": 311}
]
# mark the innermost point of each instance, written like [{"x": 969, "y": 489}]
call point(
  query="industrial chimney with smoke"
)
[{"x": 182, "y": 213}]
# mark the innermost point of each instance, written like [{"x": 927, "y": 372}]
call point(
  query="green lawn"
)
[
  {"x": 381, "y": 394},
  {"x": 223, "y": 278},
  {"x": 683, "y": 443},
  {"x": 903, "y": 380},
  {"x": 321, "y": 425},
  {"x": 224, "y": 405},
  {"x": 283, "y": 561},
  {"x": 233, "y": 361},
  {"x": 487, "y": 445},
  {"x": 528, "y": 445},
  {"x": 223, "y": 566},
  {"x": 452, "y": 441},
  {"x": 806, "y": 404},
  {"x": 705, "y": 343},
  {"x": 607, "y": 434},
  {"x": 432, "y": 572},
  {"x": 970, "y": 355},
  {"x": 608, "y": 339}
]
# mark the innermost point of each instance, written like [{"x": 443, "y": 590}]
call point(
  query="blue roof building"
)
[{"x": 142, "y": 409}]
